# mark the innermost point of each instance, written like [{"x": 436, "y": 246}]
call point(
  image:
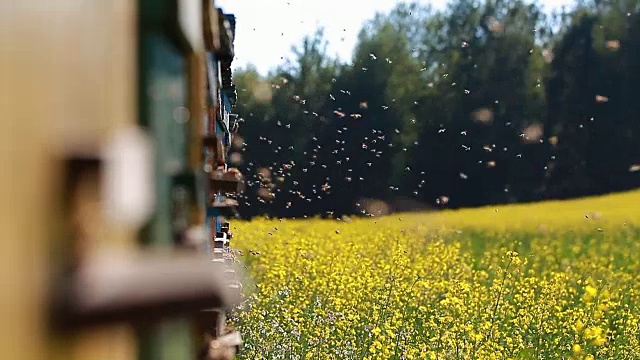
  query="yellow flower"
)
[
  {"x": 577, "y": 349},
  {"x": 599, "y": 341},
  {"x": 592, "y": 332}
]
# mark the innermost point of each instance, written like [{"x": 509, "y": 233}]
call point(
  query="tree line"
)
[{"x": 484, "y": 102}]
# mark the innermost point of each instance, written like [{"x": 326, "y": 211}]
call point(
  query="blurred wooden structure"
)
[{"x": 75, "y": 77}]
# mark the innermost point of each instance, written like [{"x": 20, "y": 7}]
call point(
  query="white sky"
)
[{"x": 266, "y": 29}]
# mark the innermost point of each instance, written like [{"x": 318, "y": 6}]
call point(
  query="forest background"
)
[{"x": 484, "y": 102}]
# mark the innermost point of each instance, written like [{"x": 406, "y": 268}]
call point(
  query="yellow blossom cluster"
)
[{"x": 553, "y": 280}]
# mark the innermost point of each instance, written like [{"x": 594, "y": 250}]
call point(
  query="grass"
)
[{"x": 549, "y": 280}]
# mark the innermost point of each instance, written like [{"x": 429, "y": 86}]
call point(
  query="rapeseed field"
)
[{"x": 553, "y": 280}]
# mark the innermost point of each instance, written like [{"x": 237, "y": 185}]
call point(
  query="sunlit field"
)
[{"x": 555, "y": 280}]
